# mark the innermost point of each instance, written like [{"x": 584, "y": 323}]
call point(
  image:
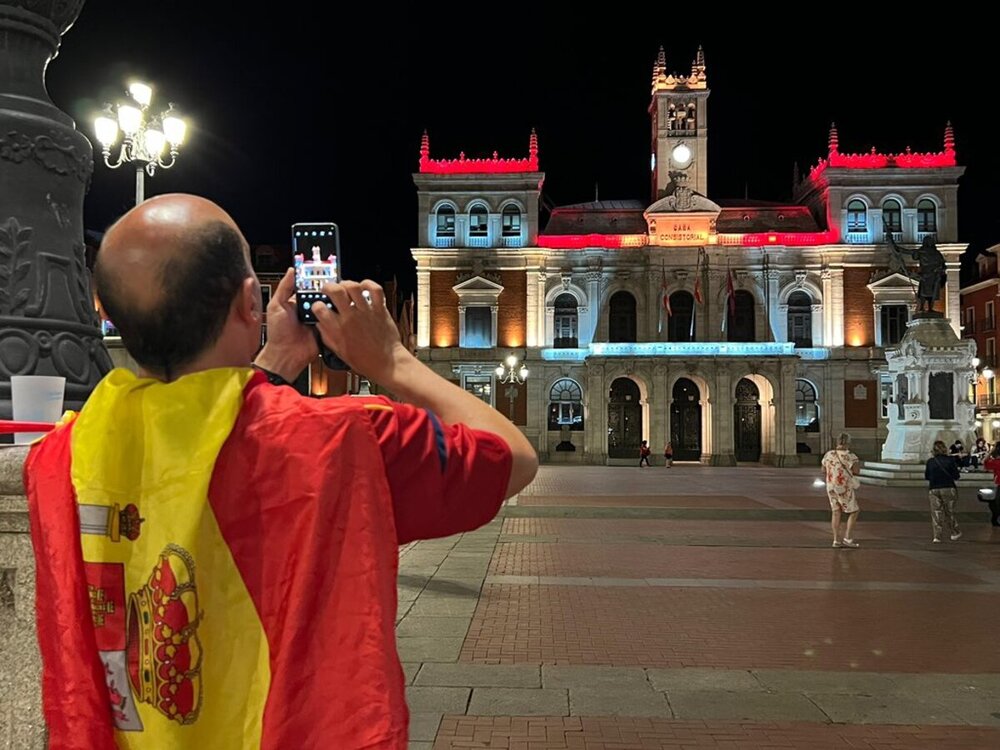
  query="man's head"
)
[{"x": 174, "y": 276}]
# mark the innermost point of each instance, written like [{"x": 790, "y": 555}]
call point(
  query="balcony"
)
[
  {"x": 988, "y": 325},
  {"x": 969, "y": 331},
  {"x": 444, "y": 241},
  {"x": 513, "y": 240},
  {"x": 988, "y": 400},
  {"x": 478, "y": 241}
]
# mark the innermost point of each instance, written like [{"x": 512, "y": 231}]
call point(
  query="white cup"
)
[{"x": 36, "y": 398}]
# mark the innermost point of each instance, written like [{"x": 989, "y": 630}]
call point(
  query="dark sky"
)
[{"x": 310, "y": 115}]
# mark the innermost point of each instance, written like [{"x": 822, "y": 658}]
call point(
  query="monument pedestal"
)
[{"x": 931, "y": 370}]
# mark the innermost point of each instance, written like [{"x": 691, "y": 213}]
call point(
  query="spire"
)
[
  {"x": 834, "y": 141},
  {"x": 659, "y": 65},
  {"x": 698, "y": 66},
  {"x": 949, "y": 137},
  {"x": 425, "y": 146},
  {"x": 533, "y": 146}
]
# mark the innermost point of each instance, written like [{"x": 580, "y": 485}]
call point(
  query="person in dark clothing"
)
[
  {"x": 957, "y": 451},
  {"x": 644, "y": 452},
  {"x": 993, "y": 464},
  {"x": 941, "y": 472}
]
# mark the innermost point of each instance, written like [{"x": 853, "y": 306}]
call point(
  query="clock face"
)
[{"x": 681, "y": 155}]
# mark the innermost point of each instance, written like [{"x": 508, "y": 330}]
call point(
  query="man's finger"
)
[
  {"x": 286, "y": 288},
  {"x": 375, "y": 292}
]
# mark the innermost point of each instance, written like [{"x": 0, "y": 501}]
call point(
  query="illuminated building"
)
[{"x": 778, "y": 313}]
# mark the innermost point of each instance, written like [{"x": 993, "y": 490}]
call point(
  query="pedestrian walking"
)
[
  {"x": 941, "y": 472},
  {"x": 842, "y": 468}
]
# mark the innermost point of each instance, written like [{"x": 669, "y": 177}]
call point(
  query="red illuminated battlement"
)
[
  {"x": 462, "y": 165},
  {"x": 874, "y": 160}
]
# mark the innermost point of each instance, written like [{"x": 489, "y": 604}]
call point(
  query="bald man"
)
[{"x": 217, "y": 554}]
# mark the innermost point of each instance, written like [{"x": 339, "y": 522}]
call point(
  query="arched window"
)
[
  {"x": 621, "y": 317},
  {"x": 566, "y": 320},
  {"x": 857, "y": 216},
  {"x": 566, "y": 405},
  {"x": 511, "y": 221},
  {"x": 892, "y": 216},
  {"x": 446, "y": 221},
  {"x": 478, "y": 221},
  {"x": 740, "y": 323},
  {"x": 800, "y": 319},
  {"x": 680, "y": 325},
  {"x": 926, "y": 216},
  {"x": 806, "y": 408}
]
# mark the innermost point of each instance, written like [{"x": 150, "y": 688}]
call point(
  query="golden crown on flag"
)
[{"x": 164, "y": 653}]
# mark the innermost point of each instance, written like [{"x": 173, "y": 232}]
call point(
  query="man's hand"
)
[
  {"x": 290, "y": 346},
  {"x": 361, "y": 331}
]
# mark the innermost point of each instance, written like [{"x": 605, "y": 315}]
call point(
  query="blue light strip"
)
[{"x": 684, "y": 349}]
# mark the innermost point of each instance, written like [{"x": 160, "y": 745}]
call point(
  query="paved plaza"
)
[{"x": 696, "y": 607}]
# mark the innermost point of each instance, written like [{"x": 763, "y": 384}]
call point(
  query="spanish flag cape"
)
[{"x": 216, "y": 569}]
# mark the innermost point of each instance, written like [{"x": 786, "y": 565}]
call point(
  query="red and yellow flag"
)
[{"x": 205, "y": 578}]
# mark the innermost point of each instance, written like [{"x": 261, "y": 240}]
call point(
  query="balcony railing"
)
[
  {"x": 988, "y": 400},
  {"x": 969, "y": 331},
  {"x": 444, "y": 241},
  {"x": 481, "y": 240},
  {"x": 512, "y": 240},
  {"x": 988, "y": 325}
]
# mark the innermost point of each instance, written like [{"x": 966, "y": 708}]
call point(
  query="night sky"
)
[{"x": 317, "y": 115}]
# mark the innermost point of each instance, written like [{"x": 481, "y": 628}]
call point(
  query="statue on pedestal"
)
[{"x": 931, "y": 273}]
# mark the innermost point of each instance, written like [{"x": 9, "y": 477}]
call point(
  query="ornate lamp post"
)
[
  {"x": 48, "y": 325},
  {"x": 145, "y": 137},
  {"x": 508, "y": 372}
]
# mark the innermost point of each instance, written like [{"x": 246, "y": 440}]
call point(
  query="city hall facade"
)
[{"x": 735, "y": 330}]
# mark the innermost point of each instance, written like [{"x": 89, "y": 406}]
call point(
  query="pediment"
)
[{"x": 478, "y": 284}]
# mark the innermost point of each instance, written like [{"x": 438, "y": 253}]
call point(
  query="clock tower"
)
[{"x": 678, "y": 115}]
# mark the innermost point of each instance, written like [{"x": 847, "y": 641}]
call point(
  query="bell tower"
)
[{"x": 678, "y": 115}]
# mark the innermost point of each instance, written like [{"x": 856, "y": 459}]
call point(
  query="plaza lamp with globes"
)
[
  {"x": 145, "y": 136},
  {"x": 509, "y": 373}
]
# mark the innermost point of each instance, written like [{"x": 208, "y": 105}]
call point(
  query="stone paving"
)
[{"x": 616, "y": 607}]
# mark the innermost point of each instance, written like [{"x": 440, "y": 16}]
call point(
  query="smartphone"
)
[{"x": 316, "y": 255}]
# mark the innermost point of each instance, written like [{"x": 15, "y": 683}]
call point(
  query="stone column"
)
[
  {"x": 878, "y": 323},
  {"x": 423, "y": 307},
  {"x": 48, "y": 325},
  {"x": 596, "y": 417},
  {"x": 594, "y": 303},
  {"x": 722, "y": 399},
  {"x": 533, "y": 305}
]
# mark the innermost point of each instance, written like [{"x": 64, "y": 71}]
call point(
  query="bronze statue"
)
[{"x": 931, "y": 273}]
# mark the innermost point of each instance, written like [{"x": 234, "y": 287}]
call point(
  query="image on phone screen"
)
[{"x": 315, "y": 248}]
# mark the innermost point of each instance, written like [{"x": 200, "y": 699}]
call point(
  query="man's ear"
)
[{"x": 248, "y": 303}]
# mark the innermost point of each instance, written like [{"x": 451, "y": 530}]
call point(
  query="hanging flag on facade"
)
[
  {"x": 697, "y": 282},
  {"x": 665, "y": 300}
]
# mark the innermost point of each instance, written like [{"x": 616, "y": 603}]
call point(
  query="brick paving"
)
[
  {"x": 732, "y": 628},
  {"x": 617, "y": 608},
  {"x": 620, "y": 733},
  {"x": 623, "y": 560}
]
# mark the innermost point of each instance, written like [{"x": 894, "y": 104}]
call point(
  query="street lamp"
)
[
  {"x": 508, "y": 372},
  {"x": 145, "y": 136}
]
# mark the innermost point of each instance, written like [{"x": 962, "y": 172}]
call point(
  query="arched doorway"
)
[
  {"x": 624, "y": 419},
  {"x": 621, "y": 317},
  {"x": 685, "y": 421},
  {"x": 746, "y": 421}
]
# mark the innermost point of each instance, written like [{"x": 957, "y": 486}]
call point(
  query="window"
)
[
  {"x": 990, "y": 323},
  {"x": 480, "y": 386},
  {"x": 800, "y": 319},
  {"x": 857, "y": 216},
  {"x": 926, "y": 216},
  {"x": 566, "y": 322},
  {"x": 680, "y": 324},
  {"x": 894, "y": 319},
  {"x": 970, "y": 321},
  {"x": 621, "y": 317},
  {"x": 991, "y": 353},
  {"x": 740, "y": 325},
  {"x": 511, "y": 221},
  {"x": 446, "y": 221},
  {"x": 566, "y": 405},
  {"x": 892, "y": 216},
  {"x": 478, "y": 221},
  {"x": 806, "y": 408},
  {"x": 478, "y": 327}
]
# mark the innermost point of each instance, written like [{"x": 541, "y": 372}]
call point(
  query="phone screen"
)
[{"x": 316, "y": 251}]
